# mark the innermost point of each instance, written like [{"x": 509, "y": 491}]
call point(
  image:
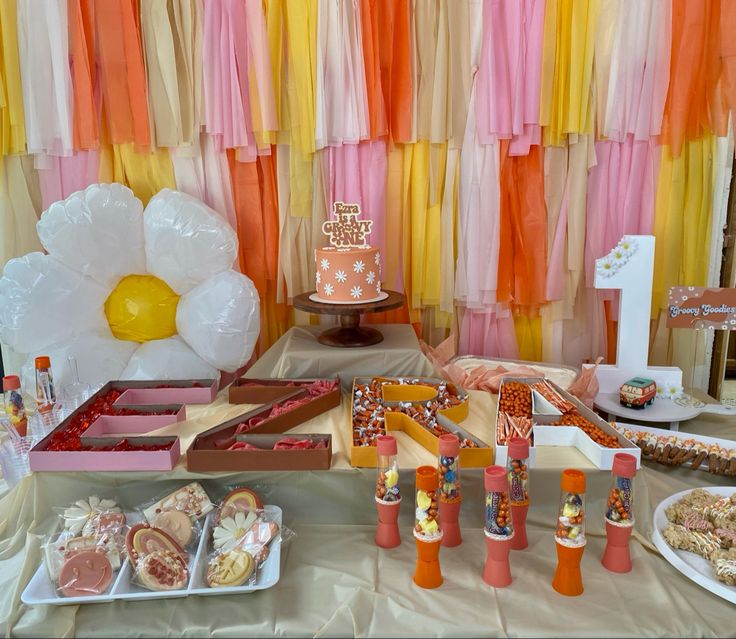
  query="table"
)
[
  {"x": 297, "y": 353},
  {"x": 336, "y": 582},
  {"x": 662, "y": 410}
]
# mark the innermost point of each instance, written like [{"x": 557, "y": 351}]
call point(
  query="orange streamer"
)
[
  {"x": 83, "y": 72},
  {"x": 125, "y": 94},
  {"x": 522, "y": 258},
  {"x": 394, "y": 48},
  {"x": 694, "y": 105},
  {"x": 372, "y": 63},
  {"x": 255, "y": 197}
]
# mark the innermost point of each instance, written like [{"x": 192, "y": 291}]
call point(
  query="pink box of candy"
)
[
  {"x": 119, "y": 442},
  {"x": 189, "y": 391},
  {"x": 110, "y": 460}
]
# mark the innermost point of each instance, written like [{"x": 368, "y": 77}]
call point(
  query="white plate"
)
[
  {"x": 314, "y": 298},
  {"x": 688, "y": 563},
  {"x": 41, "y": 590}
]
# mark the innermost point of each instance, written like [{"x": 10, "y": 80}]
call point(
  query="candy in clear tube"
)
[
  {"x": 388, "y": 497},
  {"x": 14, "y": 407},
  {"x": 427, "y": 523},
  {"x": 498, "y": 514},
  {"x": 619, "y": 508},
  {"x": 45, "y": 393},
  {"x": 619, "y": 514},
  {"x": 498, "y": 527},
  {"x": 517, "y": 473},
  {"x": 571, "y": 520},
  {"x": 570, "y": 533},
  {"x": 427, "y": 529},
  {"x": 448, "y": 472},
  {"x": 387, "y": 483},
  {"x": 449, "y": 475}
]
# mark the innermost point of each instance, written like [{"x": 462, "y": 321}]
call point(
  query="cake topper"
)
[{"x": 346, "y": 230}]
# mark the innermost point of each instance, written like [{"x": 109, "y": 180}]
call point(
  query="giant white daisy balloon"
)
[{"x": 130, "y": 293}]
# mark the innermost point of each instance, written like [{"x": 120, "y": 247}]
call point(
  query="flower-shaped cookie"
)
[
  {"x": 130, "y": 293},
  {"x": 232, "y": 530},
  {"x": 78, "y": 514}
]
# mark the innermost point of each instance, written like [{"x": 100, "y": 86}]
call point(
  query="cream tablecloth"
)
[
  {"x": 336, "y": 582},
  {"x": 297, "y": 353}
]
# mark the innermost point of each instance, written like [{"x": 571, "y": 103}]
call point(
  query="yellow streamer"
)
[
  {"x": 145, "y": 173},
  {"x": 682, "y": 220},
  {"x": 567, "y": 68},
  {"x": 12, "y": 120}
]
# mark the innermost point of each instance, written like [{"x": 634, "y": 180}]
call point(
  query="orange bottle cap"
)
[
  {"x": 43, "y": 362},
  {"x": 624, "y": 465},
  {"x": 427, "y": 478},
  {"x": 494, "y": 479},
  {"x": 573, "y": 480},
  {"x": 386, "y": 445},
  {"x": 449, "y": 445},
  {"x": 11, "y": 382},
  {"x": 518, "y": 448}
]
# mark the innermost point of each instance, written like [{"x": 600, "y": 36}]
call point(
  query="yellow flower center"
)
[
  {"x": 142, "y": 308},
  {"x": 239, "y": 533}
]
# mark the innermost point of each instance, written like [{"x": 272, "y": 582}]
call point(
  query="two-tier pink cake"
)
[{"x": 349, "y": 270}]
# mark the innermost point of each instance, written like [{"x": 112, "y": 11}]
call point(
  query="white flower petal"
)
[
  {"x": 43, "y": 302},
  {"x": 97, "y": 232},
  {"x": 100, "y": 358},
  {"x": 186, "y": 241},
  {"x": 220, "y": 320},
  {"x": 169, "y": 358}
]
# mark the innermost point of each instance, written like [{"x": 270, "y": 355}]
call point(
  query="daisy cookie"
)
[
  {"x": 78, "y": 514},
  {"x": 231, "y": 531},
  {"x": 231, "y": 568}
]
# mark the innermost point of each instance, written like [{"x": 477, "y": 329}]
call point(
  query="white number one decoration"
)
[{"x": 629, "y": 267}]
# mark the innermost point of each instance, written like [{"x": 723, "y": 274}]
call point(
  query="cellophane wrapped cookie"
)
[
  {"x": 242, "y": 532},
  {"x": 83, "y": 559},
  {"x": 191, "y": 499},
  {"x": 159, "y": 562}
]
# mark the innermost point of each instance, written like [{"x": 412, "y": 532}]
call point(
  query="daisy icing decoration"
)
[
  {"x": 356, "y": 292},
  {"x": 325, "y": 264},
  {"x": 358, "y": 266},
  {"x": 319, "y": 277},
  {"x": 377, "y": 259},
  {"x": 131, "y": 292},
  {"x": 77, "y": 515},
  {"x": 328, "y": 289},
  {"x": 371, "y": 277},
  {"x": 232, "y": 530},
  {"x": 341, "y": 276}
]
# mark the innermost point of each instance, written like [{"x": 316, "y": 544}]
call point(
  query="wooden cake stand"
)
[{"x": 349, "y": 334}]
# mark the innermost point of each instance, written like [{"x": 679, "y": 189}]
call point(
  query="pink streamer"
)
[
  {"x": 509, "y": 78},
  {"x": 357, "y": 174},
  {"x": 621, "y": 194},
  {"x": 488, "y": 335},
  {"x": 65, "y": 175}
]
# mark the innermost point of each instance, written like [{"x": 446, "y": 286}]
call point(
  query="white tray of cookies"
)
[
  {"x": 691, "y": 564},
  {"x": 42, "y": 590}
]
